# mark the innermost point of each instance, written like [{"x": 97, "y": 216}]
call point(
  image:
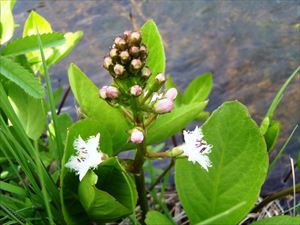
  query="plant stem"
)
[
  {"x": 63, "y": 100},
  {"x": 274, "y": 196},
  {"x": 168, "y": 168}
]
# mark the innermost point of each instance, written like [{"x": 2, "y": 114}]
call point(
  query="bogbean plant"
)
[{"x": 71, "y": 173}]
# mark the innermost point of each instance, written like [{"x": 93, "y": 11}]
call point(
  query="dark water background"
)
[{"x": 250, "y": 46}]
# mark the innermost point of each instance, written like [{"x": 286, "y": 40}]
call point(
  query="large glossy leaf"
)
[
  {"x": 108, "y": 193},
  {"x": 30, "y": 111},
  {"x": 156, "y": 218},
  {"x": 239, "y": 167},
  {"x": 7, "y": 24},
  {"x": 73, "y": 211},
  {"x": 30, "y": 43},
  {"x": 22, "y": 77},
  {"x": 86, "y": 94},
  {"x": 278, "y": 220},
  {"x": 169, "y": 124},
  {"x": 199, "y": 89},
  {"x": 156, "y": 60}
]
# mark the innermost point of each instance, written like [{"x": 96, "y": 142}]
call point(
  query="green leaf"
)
[
  {"x": 279, "y": 95},
  {"x": 30, "y": 43},
  {"x": 278, "y": 220},
  {"x": 62, "y": 51},
  {"x": 73, "y": 211},
  {"x": 33, "y": 21},
  {"x": 272, "y": 134},
  {"x": 169, "y": 124},
  {"x": 108, "y": 193},
  {"x": 7, "y": 23},
  {"x": 22, "y": 77},
  {"x": 264, "y": 125},
  {"x": 199, "y": 89},
  {"x": 30, "y": 111},
  {"x": 238, "y": 151},
  {"x": 156, "y": 60},
  {"x": 156, "y": 218},
  {"x": 86, "y": 94}
]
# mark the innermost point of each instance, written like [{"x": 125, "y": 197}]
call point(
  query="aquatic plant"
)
[{"x": 56, "y": 171}]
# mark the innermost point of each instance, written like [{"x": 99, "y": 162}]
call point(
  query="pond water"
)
[{"x": 251, "y": 47}]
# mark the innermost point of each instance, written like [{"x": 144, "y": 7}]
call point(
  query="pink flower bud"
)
[
  {"x": 136, "y": 64},
  {"x": 137, "y": 136},
  {"x": 102, "y": 92},
  {"x": 171, "y": 93},
  {"x": 119, "y": 70},
  {"x": 135, "y": 90},
  {"x": 164, "y": 105},
  {"x": 160, "y": 78},
  {"x": 107, "y": 63},
  {"x": 135, "y": 38},
  {"x": 112, "y": 92}
]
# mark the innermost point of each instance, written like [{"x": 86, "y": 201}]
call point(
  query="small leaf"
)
[
  {"x": 199, "y": 89},
  {"x": 30, "y": 111},
  {"x": 62, "y": 51},
  {"x": 30, "y": 43},
  {"x": 264, "y": 125},
  {"x": 156, "y": 60},
  {"x": 22, "y": 77},
  {"x": 7, "y": 23},
  {"x": 156, "y": 218},
  {"x": 169, "y": 124},
  {"x": 108, "y": 193},
  {"x": 272, "y": 134},
  {"x": 86, "y": 94},
  {"x": 238, "y": 151},
  {"x": 33, "y": 21},
  {"x": 278, "y": 220}
]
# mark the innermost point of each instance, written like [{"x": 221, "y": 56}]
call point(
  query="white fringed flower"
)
[
  {"x": 87, "y": 155},
  {"x": 196, "y": 149}
]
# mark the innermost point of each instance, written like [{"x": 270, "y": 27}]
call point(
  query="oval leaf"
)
[
  {"x": 7, "y": 23},
  {"x": 156, "y": 218},
  {"x": 199, "y": 89},
  {"x": 86, "y": 94},
  {"x": 239, "y": 167},
  {"x": 156, "y": 60}
]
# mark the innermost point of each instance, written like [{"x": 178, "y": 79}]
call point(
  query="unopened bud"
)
[
  {"x": 146, "y": 72},
  {"x": 164, "y": 105},
  {"x": 120, "y": 43},
  {"x": 135, "y": 38},
  {"x": 112, "y": 92},
  {"x": 113, "y": 53},
  {"x": 136, "y": 136},
  {"x": 161, "y": 78},
  {"x": 102, "y": 92},
  {"x": 107, "y": 63},
  {"x": 136, "y": 64},
  {"x": 119, "y": 70},
  {"x": 125, "y": 57},
  {"x": 171, "y": 93},
  {"x": 126, "y": 34},
  {"x": 134, "y": 51},
  {"x": 135, "y": 90},
  {"x": 143, "y": 52}
]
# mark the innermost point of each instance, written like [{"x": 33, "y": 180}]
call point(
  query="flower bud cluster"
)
[{"x": 131, "y": 89}]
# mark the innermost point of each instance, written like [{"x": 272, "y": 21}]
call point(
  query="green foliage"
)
[
  {"x": 169, "y": 124},
  {"x": 199, "y": 89},
  {"x": 86, "y": 94},
  {"x": 272, "y": 134},
  {"x": 21, "y": 77},
  {"x": 27, "y": 44},
  {"x": 238, "y": 151},
  {"x": 7, "y": 24},
  {"x": 156, "y": 218},
  {"x": 278, "y": 220},
  {"x": 30, "y": 111},
  {"x": 156, "y": 60},
  {"x": 109, "y": 193}
]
